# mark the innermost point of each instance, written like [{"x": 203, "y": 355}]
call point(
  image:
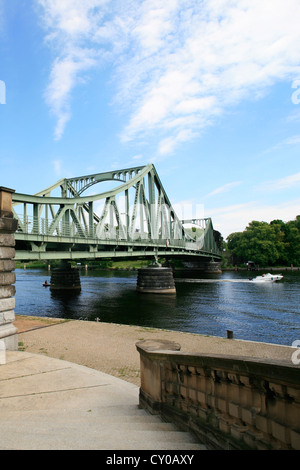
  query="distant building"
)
[{"x": 251, "y": 266}]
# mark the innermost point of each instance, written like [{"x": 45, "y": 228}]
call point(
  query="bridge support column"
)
[
  {"x": 155, "y": 280},
  {"x": 213, "y": 267},
  {"x": 195, "y": 269},
  {"x": 8, "y": 226},
  {"x": 65, "y": 278}
]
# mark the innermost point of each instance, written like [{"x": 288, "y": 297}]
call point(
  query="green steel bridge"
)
[{"x": 134, "y": 219}]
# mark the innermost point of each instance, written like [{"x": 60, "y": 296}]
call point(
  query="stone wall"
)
[
  {"x": 157, "y": 280},
  {"x": 227, "y": 402},
  {"x": 8, "y": 226}
]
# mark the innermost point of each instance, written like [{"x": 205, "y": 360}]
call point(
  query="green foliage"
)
[{"x": 276, "y": 243}]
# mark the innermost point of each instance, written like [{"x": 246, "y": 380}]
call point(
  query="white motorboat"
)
[{"x": 267, "y": 278}]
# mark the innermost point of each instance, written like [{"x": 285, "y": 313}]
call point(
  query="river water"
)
[{"x": 210, "y": 306}]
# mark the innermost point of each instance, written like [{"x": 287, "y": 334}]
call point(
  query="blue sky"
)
[{"x": 207, "y": 90}]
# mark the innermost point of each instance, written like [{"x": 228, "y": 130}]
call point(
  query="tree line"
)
[{"x": 266, "y": 244}]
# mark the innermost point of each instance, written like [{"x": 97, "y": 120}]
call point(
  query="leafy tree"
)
[
  {"x": 267, "y": 244},
  {"x": 292, "y": 237}
]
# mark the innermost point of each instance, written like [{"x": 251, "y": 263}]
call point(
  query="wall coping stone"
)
[{"x": 227, "y": 401}]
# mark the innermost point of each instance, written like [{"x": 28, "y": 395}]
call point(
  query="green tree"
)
[
  {"x": 292, "y": 238},
  {"x": 278, "y": 227},
  {"x": 267, "y": 244}
]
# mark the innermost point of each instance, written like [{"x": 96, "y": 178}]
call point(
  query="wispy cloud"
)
[
  {"x": 57, "y": 165},
  {"x": 69, "y": 25},
  {"x": 295, "y": 116},
  {"x": 222, "y": 189},
  {"x": 64, "y": 74},
  {"x": 235, "y": 218},
  {"x": 137, "y": 157},
  {"x": 282, "y": 183},
  {"x": 176, "y": 65},
  {"x": 292, "y": 140}
]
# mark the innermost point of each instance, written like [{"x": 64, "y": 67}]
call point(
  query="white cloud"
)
[
  {"x": 282, "y": 183},
  {"x": 224, "y": 188},
  {"x": 69, "y": 24},
  {"x": 64, "y": 75},
  {"x": 222, "y": 53},
  {"x": 294, "y": 140},
  {"x": 73, "y": 18},
  {"x": 295, "y": 116},
  {"x": 176, "y": 65},
  {"x": 57, "y": 164},
  {"x": 235, "y": 218},
  {"x": 137, "y": 157}
]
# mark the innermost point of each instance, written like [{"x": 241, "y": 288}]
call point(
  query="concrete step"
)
[
  {"x": 50, "y": 404},
  {"x": 45, "y": 436},
  {"x": 94, "y": 431},
  {"x": 46, "y": 433}
]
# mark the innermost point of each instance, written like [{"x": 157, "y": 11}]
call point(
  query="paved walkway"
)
[
  {"x": 65, "y": 392},
  {"x": 48, "y": 403}
]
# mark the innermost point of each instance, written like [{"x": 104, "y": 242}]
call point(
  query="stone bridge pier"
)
[
  {"x": 196, "y": 269},
  {"x": 8, "y": 226}
]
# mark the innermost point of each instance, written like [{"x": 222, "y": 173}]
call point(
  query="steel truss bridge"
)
[{"x": 135, "y": 219}]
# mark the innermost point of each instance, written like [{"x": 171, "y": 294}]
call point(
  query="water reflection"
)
[{"x": 65, "y": 303}]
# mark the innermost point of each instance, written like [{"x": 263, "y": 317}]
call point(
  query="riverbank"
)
[
  {"x": 268, "y": 269},
  {"x": 110, "y": 348},
  {"x": 134, "y": 265}
]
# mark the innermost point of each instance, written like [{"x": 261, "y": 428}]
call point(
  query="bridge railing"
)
[
  {"x": 38, "y": 229},
  {"x": 37, "y": 226},
  {"x": 31, "y": 225}
]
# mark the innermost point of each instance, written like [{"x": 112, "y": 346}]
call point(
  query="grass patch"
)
[
  {"x": 128, "y": 372},
  {"x": 43, "y": 351}
]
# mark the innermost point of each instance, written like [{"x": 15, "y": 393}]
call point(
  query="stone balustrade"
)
[
  {"x": 227, "y": 402},
  {"x": 8, "y": 226}
]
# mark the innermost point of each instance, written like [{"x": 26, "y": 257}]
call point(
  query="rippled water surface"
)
[{"x": 210, "y": 306}]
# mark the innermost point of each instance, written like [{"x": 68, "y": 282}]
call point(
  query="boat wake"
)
[
  {"x": 202, "y": 281},
  {"x": 212, "y": 280}
]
